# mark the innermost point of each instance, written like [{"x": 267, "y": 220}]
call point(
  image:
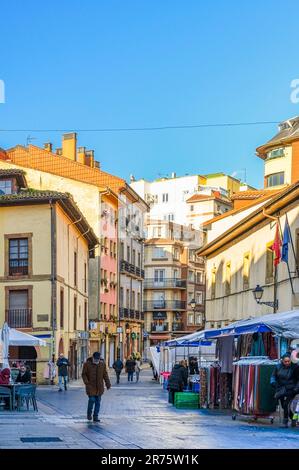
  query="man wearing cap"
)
[{"x": 94, "y": 374}]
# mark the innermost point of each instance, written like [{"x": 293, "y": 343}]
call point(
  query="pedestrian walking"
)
[
  {"x": 94, "y": 374},
  {"x": 285, "y": 380},
  {"x": 138, "y": 369},
  {"x": 118, "y": 367},
  {"x": 62, "y": 364},
  {"x": 130, "y": 368}
]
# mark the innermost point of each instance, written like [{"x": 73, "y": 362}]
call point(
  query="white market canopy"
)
[{"x": 18, "y": 338}]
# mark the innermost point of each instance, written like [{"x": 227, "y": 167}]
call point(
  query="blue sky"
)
[{"x": 126, "y": 63}]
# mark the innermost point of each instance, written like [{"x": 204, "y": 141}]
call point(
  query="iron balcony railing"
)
[
  {"x": 19, "y": 318},
  {"x": 178, "y": 326},
  {"x": 129, "y": 314},
  {"x": 159, "y": 328},
  {"x": 165, "y": 283},
  {"x": 126, "y": 267},
  {"x": 164, "y": 305},
  {"x": 18, "y": 269}
]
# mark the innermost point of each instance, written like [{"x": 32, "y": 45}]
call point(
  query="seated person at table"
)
[
  {"x": 24, "y": 376},
  {"x": 4, "y": 376}
]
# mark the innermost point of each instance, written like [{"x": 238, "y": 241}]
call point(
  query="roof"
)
[
  {"x": 14, "y": 172},
  {"x": 287, "y": 132},
  {"x": 252, "y": 220},
  {"x": 206, "y": 197},
  {"x": 49, "y": 162},
  {"x": 254, "y": 202},
  {"x": 256, "y": 194},
  {"x": 66, "y": 202}
]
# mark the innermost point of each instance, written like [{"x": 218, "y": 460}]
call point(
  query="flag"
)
[
  {"x": 276, "y": 247},
  {"x": 285, "y": 242}
]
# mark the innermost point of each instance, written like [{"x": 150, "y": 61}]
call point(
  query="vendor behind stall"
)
[
  {"x": 285, "y": 380},
  {"x": 177, "y": 380}
]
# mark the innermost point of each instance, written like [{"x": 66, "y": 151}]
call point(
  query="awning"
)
[
  {"x": 18, "y": 338},
  {"x": 159, "y": 337}
]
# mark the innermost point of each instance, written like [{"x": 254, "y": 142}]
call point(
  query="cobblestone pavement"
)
[{"x": 134, "y": 416}]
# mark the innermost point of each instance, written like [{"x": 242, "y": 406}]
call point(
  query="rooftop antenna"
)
[{"x": 29, "y": 139}]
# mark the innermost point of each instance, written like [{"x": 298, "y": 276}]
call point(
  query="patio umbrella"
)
[{"x": 5, "y": 344}]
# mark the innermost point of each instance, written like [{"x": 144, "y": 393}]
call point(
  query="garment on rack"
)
[
  {"x": 284, "y": 346},
  {"x": 270, "y": 345},
  {"x": 257, "y": 348},
  {"x": 225, "y": 350},
  {"x": 225, "y": 390},
  {"x": 243, "y": 345}
]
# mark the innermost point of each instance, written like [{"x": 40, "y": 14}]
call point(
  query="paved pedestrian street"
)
[{"x": 133, "y": 416}]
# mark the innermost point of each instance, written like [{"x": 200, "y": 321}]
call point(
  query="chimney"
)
[
  {"x": 48, "y": 146},
  {"x": 81, "y": 155},
  {"x": 132, "y": 178},
  {"x": 89, "y": 158},
  {"x": 59, "y": 151},
  {"x": 173, "y": 175},
  {"x": 69, "y": 145},
  {"x": 97, "y": 165}
]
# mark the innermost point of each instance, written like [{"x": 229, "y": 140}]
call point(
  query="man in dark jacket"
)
[
  {"x": 94, "y": 374},
  {"x": 285, "y": 380},
  {"x": 176, "y": 381},
  {"x": 118, "y": 367},
  {"x": 24, "y": 375},
  {"x": 130, "y": 368},
  {"x": 62, "y": 364}
]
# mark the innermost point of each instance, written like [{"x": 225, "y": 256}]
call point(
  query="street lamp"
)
[{"x": 258, "y": 294}]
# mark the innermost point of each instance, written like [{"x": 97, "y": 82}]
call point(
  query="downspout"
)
[{"x": 53, "y": 278}]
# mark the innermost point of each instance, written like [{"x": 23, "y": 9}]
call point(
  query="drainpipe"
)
[{"x": 53, "y": 278}]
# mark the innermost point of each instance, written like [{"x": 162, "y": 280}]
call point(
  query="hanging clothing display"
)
[
  {"x": 252, "y": 391},
  {"x": 243, "y": 345},
  {"x": 257, "y": 347},
  {"x": 270, "y": 345},
  {"x": 225, "y": 351}
]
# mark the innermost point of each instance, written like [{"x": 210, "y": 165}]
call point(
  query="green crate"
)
[
  {"x": 187, "y": 405},
  {"x": 189, "y": 397}
]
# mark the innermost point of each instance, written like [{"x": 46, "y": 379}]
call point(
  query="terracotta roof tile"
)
[
  {"x": 207, "y": 197},
  {"x": 255, "y": 194}
]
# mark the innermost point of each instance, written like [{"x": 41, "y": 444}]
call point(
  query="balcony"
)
[
  {"x": 159, "y": 328},
  {"x": 128, "y": 268},
  {"x": 164, "y": 305},
  {"x": 18, "y": 269},
  {"x": 178, "y": 326},
  {"x": 167, "y": 283},
  {"x": 19, "y": 318},
  {"x": 130, "y": 314}
]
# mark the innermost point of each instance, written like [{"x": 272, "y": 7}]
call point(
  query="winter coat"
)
[
  {"x": 94, "y": 376},
  {"x": 285, "y": 380},
  {"x": 118, "y": 365},
  {"x": 62, "y": 364},
  {"x": 130, "y": 365},
  {"x": 25, "y": 378},
  {"x": 177, "y": 378}
]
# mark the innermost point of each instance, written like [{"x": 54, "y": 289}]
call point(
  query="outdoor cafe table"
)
[{"x": 13, "y": 387}]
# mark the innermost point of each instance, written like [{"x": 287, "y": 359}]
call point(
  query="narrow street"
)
[{"x": 134, "y": 416}]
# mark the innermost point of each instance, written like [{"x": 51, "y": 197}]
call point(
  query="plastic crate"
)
[
  {"x": 195, "y": 387},
  {"x": 186, "y": 397},
  {"x": 187, "y": 405}
]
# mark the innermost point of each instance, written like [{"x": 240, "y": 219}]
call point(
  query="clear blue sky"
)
[{"x": 135, "y": 63}]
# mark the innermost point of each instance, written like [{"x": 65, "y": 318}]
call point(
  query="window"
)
[
  {"x": 197, "y": 318},
  {"x": 128, "y": 254},
  {"x": 128, "y": 298},
  {"x": 276, "y": 153},
  {"x": 269, "y": 263},
  {"x": 85, "y": 316},
  {"x": 18, "y": 256},
  {"x": 19, "y": 314},
  {"x": 199, "y": 277},
  {"x": 191, "y": 276},
  {"x": 122, "y": 250},
  {"x": 159, "y": 276},
  {"x": 139, "y": 301},
  {"x": 133, "y": 300},
  {"x": 114, "y": 249},
  {"x": 192, "y": 208},
  {"x": 85, "y": 277},
  {"x": 213, "y": 283},
  {"x": 159, "y": 252},
  {"x": 6, "y": 186},
  {"x": 139, "y": 260},
  {"x": 61, "y": 308},
  {"x": 165, "y": 197},
  {"x": 111, "y": 248},
  {"x": 157, "y": 232},
  {"x": 191, "y": 255},
  {"x": 199, "y": 298},
  {"x": 121, "y": 297},
  {"x": 134, "y": 257},
  {"x": 75, "y": 269},
  {"x": 75, "y": 313},
  {"x": 246, "y": 267},
  {"x": 171, "y": 217},
  {"x": 176, "y": 254},
  {"x": 228, "y": 278},
  {"x": 190, "y": 318},
  {"x": 275, "y": 179}
]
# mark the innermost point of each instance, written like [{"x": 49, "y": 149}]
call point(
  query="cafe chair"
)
[
  {"x": 5, "y": 392},
  {"x": 26, "y": 393}
]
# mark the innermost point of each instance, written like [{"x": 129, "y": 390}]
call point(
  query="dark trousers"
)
[
  {"x": 285, "y": 404},
  {"x": 171, "y": 394},
  {"x": 117, "y": 376},
  {"x": 130, "y": 376},
  {"x": 94, "y": 401}
]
